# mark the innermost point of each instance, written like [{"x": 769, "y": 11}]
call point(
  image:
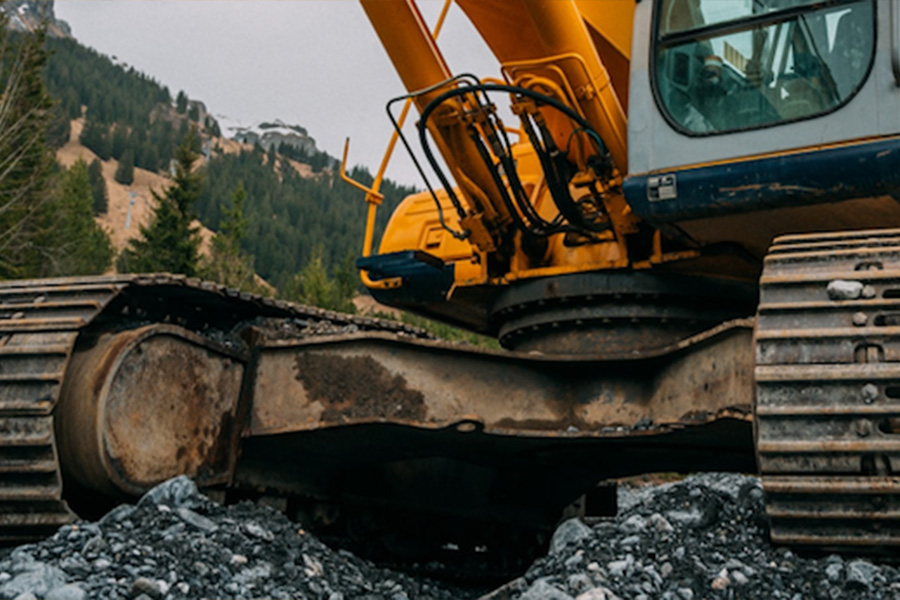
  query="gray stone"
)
[
  {"x": 842, "y": 289},
  {"x": 579, "y": 583},
  {"x": 739, "y": 578},
  {"x": 666, "y": 569},
  {"x": 597, "y": 593},
  {"x": 117, "y": 515},
  {"x": 617, "y": 568},
  {"x": 146, "y": 586},
  {"x": 258, "y": 531},
  {"x": 179, "y": 491},
  {"x": 313, "y": 567},
  {"x": 39, "y": 579},
  {"x": 631, "y": 540},
  {"x": 861, "y": 573},
  {"x": 575, "y": 560},
  {"x": 685, "y": 593},
  {"x": 196, "y": 520},
  {"x": 70, "y": 591},
  {"x": 634, "y": 524},
  {"x": 508, "y": 590},
  {"x": 834, "y": 571},
  {"x": 94, "y": 545},
  {"x": 650, "y": 571},
  {"x": 26, "y": 596},
  {"x": 687, "y": 518},
  {"x": 571, "y": 531},
  {"x": 254, "y": 574},
  {"x": 542, "y": 590},
  {"x": 659, "y": 523}
]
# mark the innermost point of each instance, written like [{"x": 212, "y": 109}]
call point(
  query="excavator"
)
[{"x": 681, "y": 234}]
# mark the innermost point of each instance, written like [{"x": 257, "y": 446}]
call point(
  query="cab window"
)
[{"x": 727, "y": 65}]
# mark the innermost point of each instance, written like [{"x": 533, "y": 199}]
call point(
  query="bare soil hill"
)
[{"x": 116, "y": 221}]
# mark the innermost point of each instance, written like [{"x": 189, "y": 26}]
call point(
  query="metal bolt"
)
[
  {"x": 863, "y": 428},
  {"x": 869, "y": 393},
  {"x": 860, "y": 319}
]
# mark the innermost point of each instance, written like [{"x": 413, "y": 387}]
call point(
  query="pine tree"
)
[
  {"x": 95, "y": 137},
  {"x": 314, "y": 286},
  {"x": 59, "y": 128},
  {"x": 26, "y": 162},
  {"x": 181, "y": 102},
  {"x": 84, "y": 247},
  {"x": 125, "y": 170},
  {"x": 98, "y": 187},
  {"x": 227, "y": 263},
  {"x": 170, "y": 242},
  {"x": 119, "y": 141}
]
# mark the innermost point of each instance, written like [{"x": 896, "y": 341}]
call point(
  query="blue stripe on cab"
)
[{"x": 857, "y": 171}]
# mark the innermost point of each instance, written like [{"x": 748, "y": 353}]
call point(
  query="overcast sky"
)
[{"x": 315, "y": 63}]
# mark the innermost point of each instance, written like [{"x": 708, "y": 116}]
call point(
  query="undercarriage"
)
[{"x": 412, "y": 449}]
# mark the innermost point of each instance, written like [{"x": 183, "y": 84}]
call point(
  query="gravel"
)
[
  {"x": 176, "y": 543},
  {"x": 703, "y": 537}
]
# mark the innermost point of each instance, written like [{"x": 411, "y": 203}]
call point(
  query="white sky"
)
[{"x": 315, "y": 63}]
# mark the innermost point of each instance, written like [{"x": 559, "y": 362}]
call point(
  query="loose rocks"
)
[
  {"x": 178, "y": 544},
  {"x": 704, "y": 537},
  {"x": 701, "y": 538}
]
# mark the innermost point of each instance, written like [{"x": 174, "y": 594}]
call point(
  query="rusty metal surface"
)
[
  {"x": 325, "y": 382},
  {"x": 40, "y": 321},
  {"x": 828, "y": 389},
  {"x": 426, "y": 428},
  {"x": 38, "y": 327},
  {"x": 147, "y": 404}
]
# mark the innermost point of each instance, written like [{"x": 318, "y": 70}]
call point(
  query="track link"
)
[
  {"x": 38, "y": 327},
  {"x": 40, "y": 321},
  {"x": 828, "y": 390}
]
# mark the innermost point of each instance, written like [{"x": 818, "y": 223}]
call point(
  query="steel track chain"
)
[
  {"x": 40, "y": 321},
  {"x": 828, "y": 390}
]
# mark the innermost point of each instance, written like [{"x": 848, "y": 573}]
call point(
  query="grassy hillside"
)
[{"x": 293, "y": 209}]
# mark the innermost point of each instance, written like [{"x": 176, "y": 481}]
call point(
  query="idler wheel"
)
[{"x": 140, "y": 406}]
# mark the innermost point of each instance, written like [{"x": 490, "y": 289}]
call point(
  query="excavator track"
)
[
  {"x": 828, "y": 390},
  {"x": 40, "y": 321}
]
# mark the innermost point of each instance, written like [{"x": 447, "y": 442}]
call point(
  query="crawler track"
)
[
  {"x": 41, "y": 320},
  {"x": 828, "y": 389}
]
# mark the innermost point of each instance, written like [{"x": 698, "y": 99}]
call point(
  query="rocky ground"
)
[{"x": 704, "y": 537}]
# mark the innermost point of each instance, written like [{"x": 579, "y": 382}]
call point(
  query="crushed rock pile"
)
[
  {"x": 176, "y": 543},
  {"x": 703, "y": 537}
]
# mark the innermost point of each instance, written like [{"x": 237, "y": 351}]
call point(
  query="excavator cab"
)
[{"x": 761, "y": 109}]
